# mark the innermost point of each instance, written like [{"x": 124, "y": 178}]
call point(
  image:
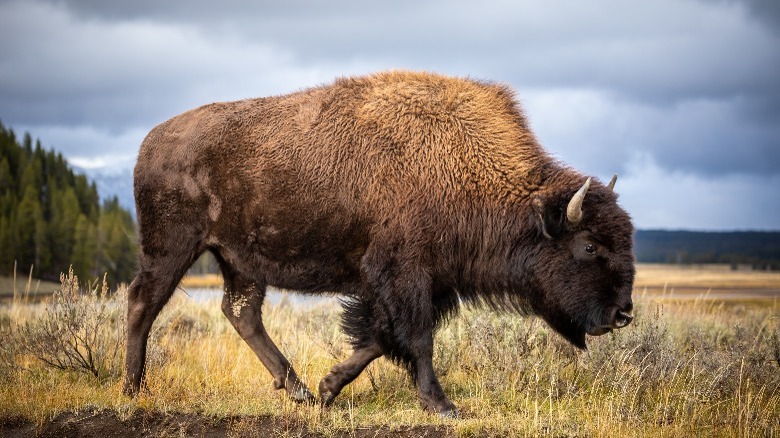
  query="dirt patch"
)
[{"x": 106, "y": 424}]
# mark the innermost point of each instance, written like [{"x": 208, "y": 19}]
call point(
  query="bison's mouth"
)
[
  {"x": 612, "y": 318},
  {"x": 619, "y": 319}
]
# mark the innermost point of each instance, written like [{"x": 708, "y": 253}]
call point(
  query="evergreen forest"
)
[
  {"x": 51, "y": 218},
  {"x": 757, "y": 249}
]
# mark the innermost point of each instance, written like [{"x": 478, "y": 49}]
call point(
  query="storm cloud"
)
[{"x": 679, "y": 97}]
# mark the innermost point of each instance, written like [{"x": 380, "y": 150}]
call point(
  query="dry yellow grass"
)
[{"x": 202, "y": 281}]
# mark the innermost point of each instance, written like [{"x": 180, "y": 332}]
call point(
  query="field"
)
[
  {"x": 25, "y": 288},
  {"x": 708, "y": 281},
  {"x": 698, "y": 363}
]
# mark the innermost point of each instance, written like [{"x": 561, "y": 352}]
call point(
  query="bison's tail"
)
[
  {"x": 365, "y": 327},
  {"x": 357, "y": 321}
]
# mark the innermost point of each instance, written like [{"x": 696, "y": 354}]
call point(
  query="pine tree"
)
[
  {"x": 6, "y": 179},
  {"x": 31, "y": 177},
  {"x": 42, "y": 248},
  {"x": 28, "y": 214},
  {"x": 8, "y": 202},
  {"x": 87, "y": 197},
  {"x": 85, "y": 248},
  {"x": 117, "y": 242},
  {"x": 6, "y": 243},
  {"x": 65, "y": 213},
  {"x": 27, "y": 143}
]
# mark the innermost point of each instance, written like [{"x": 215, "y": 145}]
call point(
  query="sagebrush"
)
[{"x": 79, "y": 329}]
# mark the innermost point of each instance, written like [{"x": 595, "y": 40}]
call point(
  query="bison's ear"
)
[{"x": 540, "y": 219}]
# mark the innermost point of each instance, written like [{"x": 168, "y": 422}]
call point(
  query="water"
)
[{"x": 273, "y": 296}]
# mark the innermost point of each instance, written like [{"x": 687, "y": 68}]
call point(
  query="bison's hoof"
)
[
  {"x": 445, "y": 409},
  {"x": 326, "y": 394},
  {"x": 132, "y": 389},
  {"x": 326, "y": 399},
  {"x": 450, "y": 414},
  {"x": 129, "y": 390},
  {"x": 303, "y": 395}
]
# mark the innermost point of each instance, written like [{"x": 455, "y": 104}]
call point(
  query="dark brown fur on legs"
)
[
  {"x": 242, "y": 304},
  {"x": 345, "y": 372},
  {"x": 147, "y": 295},
  {"x": 405, "y": 315},
  {"x": 362, "y": 320},
  {"x": 142, "y": 308}
]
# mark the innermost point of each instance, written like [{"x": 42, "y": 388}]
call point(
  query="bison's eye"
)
[{"x": 590, "y": 248}]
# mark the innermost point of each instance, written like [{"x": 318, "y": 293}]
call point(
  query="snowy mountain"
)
[{"x": 113, "y": 181}]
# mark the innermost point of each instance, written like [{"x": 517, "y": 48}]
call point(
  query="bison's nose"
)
[{"x": 622, "y": 319}]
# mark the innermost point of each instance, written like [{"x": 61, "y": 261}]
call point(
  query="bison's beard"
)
[
  {"x": 598, "y": 331},
  {"x": 593, "y": 323},
  {"x": 569, "y": 329},
  {"x": 575, "y": 335},
  {"x": 575, "y": 327}
]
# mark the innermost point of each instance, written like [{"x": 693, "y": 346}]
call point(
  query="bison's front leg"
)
[
  {"x": 241, "y": 304},
  {"x": 404, "y": 323},
  {"x": 429, "y": 391}
]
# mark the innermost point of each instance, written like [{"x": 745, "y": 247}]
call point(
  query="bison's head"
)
[{"x": 583, "y": 266}]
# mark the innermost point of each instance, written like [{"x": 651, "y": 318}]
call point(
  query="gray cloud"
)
[
  {"x": 661, "y": 50},
  {"x": 766, "y": 12},
  {"x": 706, "y": 137},
  {"x": 689, "y": 86}
]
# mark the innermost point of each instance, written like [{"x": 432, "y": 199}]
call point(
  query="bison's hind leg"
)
[
  {"x": 356, "y": 322},
  {"x": 242, "y": 304},
  {"x": 345, "y": 372},
  {"x": 151, "y": 288}
]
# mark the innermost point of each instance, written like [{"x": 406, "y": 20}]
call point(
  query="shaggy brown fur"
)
[{"x": 405, "y": 192}]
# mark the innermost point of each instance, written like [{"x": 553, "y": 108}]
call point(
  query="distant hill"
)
[{"x": 759, "y": 249}]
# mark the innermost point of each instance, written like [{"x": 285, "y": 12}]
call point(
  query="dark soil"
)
[{"x": 106, "y": 424}]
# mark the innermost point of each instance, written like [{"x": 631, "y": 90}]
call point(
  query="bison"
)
[{"x": 406, "y": 193}]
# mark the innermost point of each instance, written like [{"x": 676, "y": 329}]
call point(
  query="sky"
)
[{"x": 681, "y": 98}]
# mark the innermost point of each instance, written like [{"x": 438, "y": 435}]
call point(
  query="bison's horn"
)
[
  {"x": 574, "y": 210},
  {"x": 612, "y": 182}
]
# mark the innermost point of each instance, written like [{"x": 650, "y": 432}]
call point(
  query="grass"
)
[
  {"x": 700, "y": 366},
  {"x": 202, "y": 281}
]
